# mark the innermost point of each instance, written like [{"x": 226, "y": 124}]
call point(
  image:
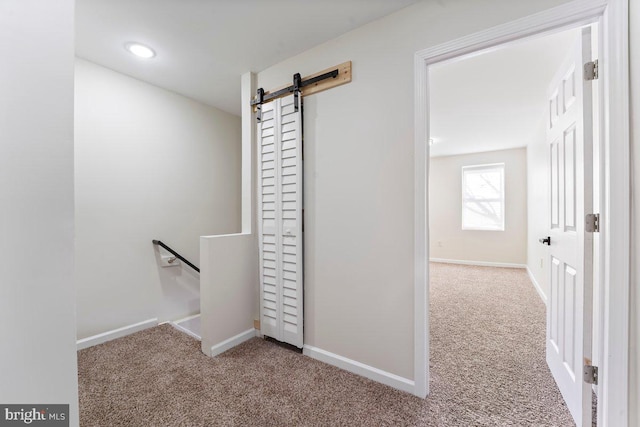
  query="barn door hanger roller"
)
[{"x": 295, "y": 88}]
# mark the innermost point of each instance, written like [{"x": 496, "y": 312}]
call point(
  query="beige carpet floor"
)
[{"x": 487, "y": 364}]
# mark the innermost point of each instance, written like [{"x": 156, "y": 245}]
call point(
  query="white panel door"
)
[
  {"x": 280, "y": 220},
  {"x": 569, "y": 309}
]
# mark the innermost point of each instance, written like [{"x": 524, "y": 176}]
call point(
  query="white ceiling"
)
[
  {"x": 495, "y": 100},
  {"x": 204, "y": 46}
]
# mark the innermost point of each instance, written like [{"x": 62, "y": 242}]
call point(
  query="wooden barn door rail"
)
[{"x": 323, "y": 80}]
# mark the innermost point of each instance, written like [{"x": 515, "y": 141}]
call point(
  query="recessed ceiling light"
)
[{"x": 140, "y": 50}]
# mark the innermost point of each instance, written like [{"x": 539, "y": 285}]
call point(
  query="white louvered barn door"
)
[{"x": 280, "y": 220}]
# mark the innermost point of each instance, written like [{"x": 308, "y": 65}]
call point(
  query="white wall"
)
[
  {"x": 229, "y": 281},
  {"x": 150, "y": 164},
  {"x": 230, "y": 264},
  {"x": 359, "y": 178},
  {"x": 634, "y": 397},
  {"x": 538, "y": 205},
  {"x": 37, "y": 301},
  {"x": 447, "y": 238}
]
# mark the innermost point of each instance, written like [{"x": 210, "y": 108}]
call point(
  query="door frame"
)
[{"x": 612, "y": 16}]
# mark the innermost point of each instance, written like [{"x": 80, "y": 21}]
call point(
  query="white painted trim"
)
[
  {"x": 536, "y": 285},
  {"x": 478, "y": 263},
  {"x": 614, "y": 387},
  {"x": 116, "y": 333},
  {"x": 247, "y": 88},
  {"x": 421, "y": 229},
  {"x": 613, "y": 402},
  {"x": 358, "y": 368},
  {"x": 184, "y": 319},
  {"x": 215, "y": 236},
  {"x": 176, "y": 324},
  {"x": 232, "y": 342},
  {"x": 568, "y": 15},
  {"x": 185, "y": 330}
]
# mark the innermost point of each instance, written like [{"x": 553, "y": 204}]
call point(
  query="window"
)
[{"x": 483, "y": 197}]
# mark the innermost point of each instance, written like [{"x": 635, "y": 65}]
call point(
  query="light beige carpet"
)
[{"x": 487, "y": 364}]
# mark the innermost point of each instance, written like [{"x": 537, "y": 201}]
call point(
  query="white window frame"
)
[{"x": 491, "y": 166}]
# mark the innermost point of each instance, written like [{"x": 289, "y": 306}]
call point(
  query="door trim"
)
[{"x": 613, "y": 18}]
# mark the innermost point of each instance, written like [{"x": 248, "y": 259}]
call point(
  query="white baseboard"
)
[
  {"x": 184, "y": 319},
  {"x": 355, "y": 367},
  {"x": 116, "y": 333},
  {"x": 232, "y": 342},
  {"x": 537, "y": 286},
  {"x": 186, "y": 331},
  {"x": 177, "y": 324},
  {"x": 478, "y": 263}
]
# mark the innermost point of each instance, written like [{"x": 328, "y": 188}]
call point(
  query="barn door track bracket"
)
[{"x": 318, "y": 82}]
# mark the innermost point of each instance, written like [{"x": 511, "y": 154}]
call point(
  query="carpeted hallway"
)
[{"x": 487, "y": 369}]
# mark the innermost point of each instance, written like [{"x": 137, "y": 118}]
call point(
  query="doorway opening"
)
[
  {"x": 503, "y": 177},
  {"x": 612, "y": 169}
]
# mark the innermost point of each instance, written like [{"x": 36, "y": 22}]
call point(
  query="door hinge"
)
[
  {"x": 590, "y": 374},
  {"x": 591, "y": 70},
  {"x": 592, "y": 223}
]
